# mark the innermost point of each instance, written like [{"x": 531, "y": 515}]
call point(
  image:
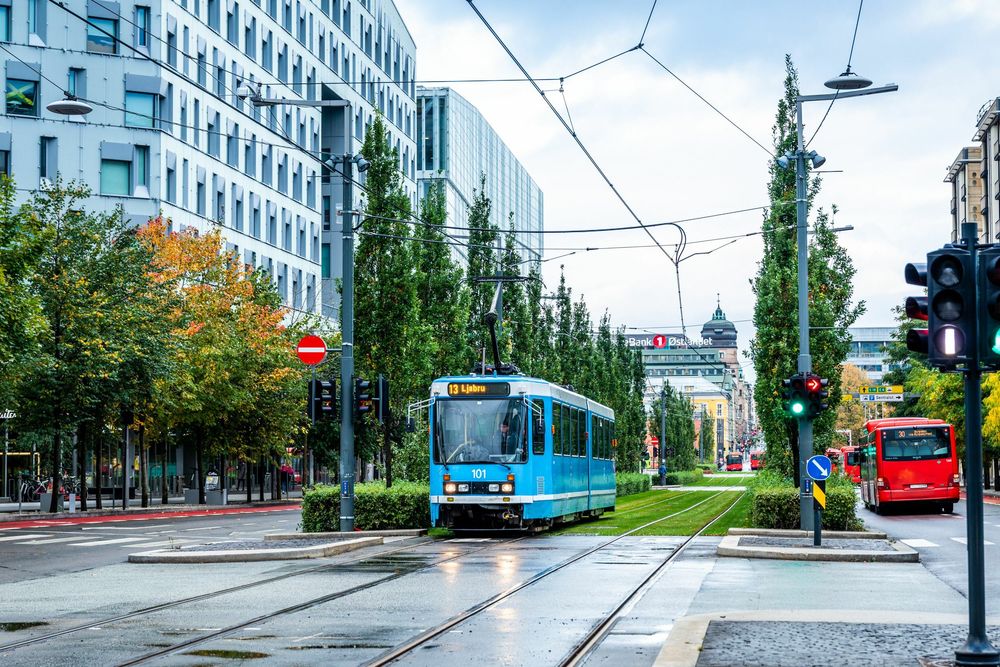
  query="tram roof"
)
[{"x": 528, "y": 385}]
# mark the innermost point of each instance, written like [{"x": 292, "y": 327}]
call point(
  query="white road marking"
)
[
  {"x": 145, "y": 527},
  {"x": 962, "y": 540},
  {"x": 53, "y": 540},
  {"x": 8, "y": 538},
  {"x": 101, "y": 543},
  {"x": 165, "y": 543},
  {"x": 187, "y": 530},
  {"x": 918, "y": 542}
]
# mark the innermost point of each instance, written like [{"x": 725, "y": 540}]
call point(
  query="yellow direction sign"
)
[{"x": 881, "y": 389}]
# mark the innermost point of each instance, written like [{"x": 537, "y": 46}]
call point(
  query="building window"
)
[
  {"x": 22, "y": 97},
  {"x": 171, "y": 186},
  {"x": 4, "y": 24},
  {"x": 718, "y": 409},
  {"x": 115, "y": 177},
  {"x": 233, "y": 25},
  {"x": 5, "y": 163},
  {"x": 142, "y": 26},
  {"x": 220, "y": 80},
  {"x": 102, "y": 35},
  {"x": 325, "y": 260},
  {"x": 200, "y": 198},
  {"x": 202, "y": 71},
  {"x": 76, "y": 83},
  {"x": 266, "y": 54},
  {"x": 172, "y": 50},
  {"x": 213, "y": 135},
  {"x": 142, "y": 167},
  {"x": 47, "y": 158},
  {"x": 140, "y": 109},
  {"x": 213, "y": 15},
  {"x": 255, "y": 223},
  {"x": 233, "y": 147},
  {"x": 33, "y": 16}
]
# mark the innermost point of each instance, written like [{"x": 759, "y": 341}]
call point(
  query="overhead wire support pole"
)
[
  {"x": 806, "y": 518},
  {"x": 347, "y": 471}
]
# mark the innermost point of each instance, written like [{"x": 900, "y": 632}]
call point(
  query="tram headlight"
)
[
  {"x": 463, "y": 488},
  {"x": 494, "y": 488},
  {"x": 450, "y": 487},
  {"x": 507, "y": 487}
]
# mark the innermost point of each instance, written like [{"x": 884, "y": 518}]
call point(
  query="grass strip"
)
[
  {"x": 616, "y": 523},
  {"x": 737, "y": 517}
]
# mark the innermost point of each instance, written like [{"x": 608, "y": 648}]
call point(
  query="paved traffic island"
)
[
  {"x": 849, "y": 546},
  {"x": 803, "y": 637},
  {"x": 257, "y": 550}
]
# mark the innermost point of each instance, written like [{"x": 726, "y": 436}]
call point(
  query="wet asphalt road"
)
[
  {"x": 29, "y": 553},
  {"x": 940, "y": 539}
]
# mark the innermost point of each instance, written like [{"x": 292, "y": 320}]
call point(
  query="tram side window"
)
[
  {"x": 580, "y": 415},
  {"x": 612, "y": 437},
  {"x": 605, "y": 439},
  {"x": 597, "y": 442},
  {"x": 584, "y": 432},
  {"x": 556, "y": 429},
  {"x": 565, "y": 439},
  {"x": 537, "y": 413},
  {"x": 571, "y": 433}
]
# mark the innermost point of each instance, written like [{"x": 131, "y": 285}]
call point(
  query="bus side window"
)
[{"x": 538, "y": 427}]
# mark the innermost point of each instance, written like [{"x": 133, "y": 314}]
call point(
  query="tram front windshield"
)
[{"x": 480, "y": 431}]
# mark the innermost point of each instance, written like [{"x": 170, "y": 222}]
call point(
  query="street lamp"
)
[
  {"x": 69, "y": 106},
  {"x": 847, "y": 84},
  {"x": 348, "y": 160}
]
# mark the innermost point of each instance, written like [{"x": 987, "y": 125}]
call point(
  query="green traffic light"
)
[
  {"x": 798, "y": 408},
  {"x": 996, "y": 342}
]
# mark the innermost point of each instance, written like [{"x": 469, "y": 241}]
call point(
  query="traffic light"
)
[
  {"x": 989, "y": 315},
  {"x": 916, "y": 308},
  {"x": 382, "y": 396},
  {"x": 951, "y": 307},
  {"x": 656, "y": 450},
  {"x": 322, "y": 399},
  {"x": 817, "y": 393},
  {"x": 362, "y": 396},
  {"x": 794, "y": 398}
]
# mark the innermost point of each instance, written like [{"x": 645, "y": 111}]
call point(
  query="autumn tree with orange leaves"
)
[{"x": 236, "y": 388}]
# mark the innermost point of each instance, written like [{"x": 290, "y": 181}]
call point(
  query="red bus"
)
[
  {"x": 756, "y": 460},
  {"x": 851, "y": 458},
  {"x": 835, "y": 460},
  {"x": 909, "y": 460},
  {"x": 734, "y": 462}
]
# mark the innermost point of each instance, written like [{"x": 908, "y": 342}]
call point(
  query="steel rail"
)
[
  {"x": 399, "y": 651},
  {"x": 211, "y": 594},
  {"x": 582, "y": 650}
]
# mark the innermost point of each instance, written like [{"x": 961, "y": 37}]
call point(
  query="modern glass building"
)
[
  {"x": 455, "y": 146},
  {"x": 868, "y": 350}
]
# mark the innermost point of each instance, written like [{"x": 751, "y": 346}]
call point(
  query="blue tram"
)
[{"x": 514, "y": 452}]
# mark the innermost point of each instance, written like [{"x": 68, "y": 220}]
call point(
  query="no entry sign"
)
[{"x": 311, "y": 350}]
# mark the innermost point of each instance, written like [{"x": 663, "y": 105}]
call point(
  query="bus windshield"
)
[
  {"x": 734, "y": 458},
  {"x": 915, "y": 443},
  {"x": 480, "y": 431}
]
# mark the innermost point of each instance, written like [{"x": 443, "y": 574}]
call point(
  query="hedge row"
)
[
  {"x": 404, "y": 505},
  {"x": 680, "y": 477},
  {"x": 627, "y": 483},
  {"x": 776, "y": 505}
]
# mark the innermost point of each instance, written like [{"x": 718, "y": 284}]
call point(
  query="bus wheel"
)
[
  {"x": 879, "y": 510},
  {"x": 948, "y": 508}
]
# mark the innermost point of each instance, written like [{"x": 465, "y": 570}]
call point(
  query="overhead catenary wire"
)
[{"x": 850, "y": 56}]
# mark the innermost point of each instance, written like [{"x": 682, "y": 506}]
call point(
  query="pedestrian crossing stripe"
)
[{"x": 819, "y": 495}]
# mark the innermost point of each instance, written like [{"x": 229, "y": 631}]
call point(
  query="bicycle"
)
[{"x": 31, "y": 490}]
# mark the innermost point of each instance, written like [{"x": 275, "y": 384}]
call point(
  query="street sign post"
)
[
  {"x": 881, "y": 393},
  {"x": 311, "y": 350},
  {"x": 819, "y": 468}
]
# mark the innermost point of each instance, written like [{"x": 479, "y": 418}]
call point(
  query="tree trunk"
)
[
  {"x": 248, "y": 481},
  {"x": 82, "y": 435},
  {"x": 163, "y": 470},
  {"x": 143, "y": 466},
  {"x": 56, "y": 463},
  {"x": 794, "y": 440},
  {"x": 260, "y": 480},
  {"x": 99, "y": 463},
  {"x": 986, "y": 474},
  {"x": 996, "y": 473},
  {"x": 275, "y": 482},
  {"x": 199, "y": 471},
  {"x": 387, "y": 454}
]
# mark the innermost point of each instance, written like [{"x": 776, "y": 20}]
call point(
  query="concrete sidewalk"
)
[
  {"x": 235, "y": 498},
  {"x": 710, "y": 612}
]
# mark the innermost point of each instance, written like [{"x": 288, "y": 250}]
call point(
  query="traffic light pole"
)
[
  {"x": 347, "y": 349},
  {"x": 977, "y": 649},
  {"x": 663, "y": 434},
  {"x": 805, "y": 358}
]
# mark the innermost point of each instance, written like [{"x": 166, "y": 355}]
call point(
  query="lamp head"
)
[
  {"x": 69, "y": 106},
  {"x": 848, "y": 81},
  {"x": 783, "y": 161},
  {"x": 362, "y": 163},
  {"x": 817, "y": 159}
]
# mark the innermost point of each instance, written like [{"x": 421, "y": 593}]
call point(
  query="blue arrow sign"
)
[{"x": 819, "y": 467}]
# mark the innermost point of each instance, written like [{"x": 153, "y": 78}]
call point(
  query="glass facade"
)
[{"x": 456, "y": 145}]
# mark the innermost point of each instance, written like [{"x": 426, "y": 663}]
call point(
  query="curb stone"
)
[
  {"x": 841, "y": 534},
  {"x": 730, "y": 546},
  {"x": 414, "y": 532},
  {"x": 252, "y": 555}
]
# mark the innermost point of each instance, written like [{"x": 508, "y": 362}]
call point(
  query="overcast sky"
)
[{"x": 672, "y": 157}]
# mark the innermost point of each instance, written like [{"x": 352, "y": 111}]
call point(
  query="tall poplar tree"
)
[
  {"x": 483, "y": 261},
  {"x": 774, "y": 350}
]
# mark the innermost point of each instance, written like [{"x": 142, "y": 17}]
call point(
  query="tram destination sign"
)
[{"x": 479, "y": 389}]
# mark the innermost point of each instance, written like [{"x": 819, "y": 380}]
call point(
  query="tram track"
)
[
  {"x": 432, "y": 633},
  {"x": 11, "y": 646}
]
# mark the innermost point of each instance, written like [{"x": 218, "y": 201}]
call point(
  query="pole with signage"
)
[
  {"x": 818, "y": 468},
  {"x": 663, "y": 434}
]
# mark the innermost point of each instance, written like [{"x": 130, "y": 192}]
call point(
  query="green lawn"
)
[
  {"x": 738, "y": 517},
  {"x": 642, "y": 508},
  {"x": 720, "y": 481}
]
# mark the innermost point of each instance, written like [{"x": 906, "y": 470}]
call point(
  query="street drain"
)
[
  {"x": 231, "y": 655},
  {"x": 14, "y": 627}
]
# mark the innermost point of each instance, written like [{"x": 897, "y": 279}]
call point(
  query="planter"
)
[
  {"x": 216, "y": 497},
  {"x": 47, "y": 499},
  {"x": 190, "y": 496}
]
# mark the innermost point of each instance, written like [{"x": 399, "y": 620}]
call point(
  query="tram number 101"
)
[{"x": 479, "y": 473}]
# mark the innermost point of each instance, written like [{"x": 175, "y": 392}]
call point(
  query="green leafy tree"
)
[
  {"x": 679, "y": 428},
  {"x": 483, "y": 262},
  {"x": 707, "y": 443},
  {"x": 774, "y": 350}
]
